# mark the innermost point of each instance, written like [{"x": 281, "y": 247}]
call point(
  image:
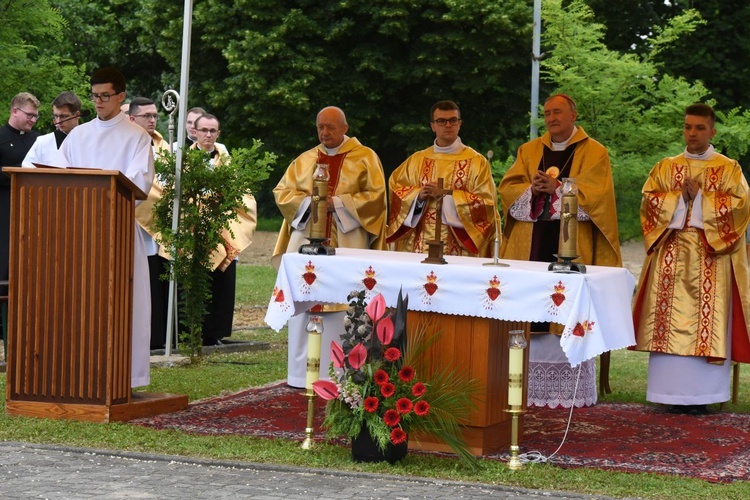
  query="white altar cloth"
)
[{"x": 593, "y": 307}]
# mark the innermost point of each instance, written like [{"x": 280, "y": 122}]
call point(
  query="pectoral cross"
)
[{"x": 435, "y": 252}]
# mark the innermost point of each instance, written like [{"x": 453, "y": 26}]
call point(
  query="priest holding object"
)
[{"x": 531, "y": 194}]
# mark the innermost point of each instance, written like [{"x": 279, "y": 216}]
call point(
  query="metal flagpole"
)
[
  {"x": 535, "y": 57},
  {"x": 187, "y": 25}
]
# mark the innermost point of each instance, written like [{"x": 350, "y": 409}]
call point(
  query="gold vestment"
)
[
  {"x": 598, "y": 239},
  {"x": 692, "y": 278},
  {"x": 356, "y": 178},
  {"x": 469, "y": 177}
]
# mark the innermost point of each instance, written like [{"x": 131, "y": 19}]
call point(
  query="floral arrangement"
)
[{"x": 374, "y": 384}]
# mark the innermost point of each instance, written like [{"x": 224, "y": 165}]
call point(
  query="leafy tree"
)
[
  {"x": 626, "y": 101},
  {"x": 266, "y": 68},
  {"x": 208, "y": 201},
  {"x": 112, "y": 33},
  {"x": 27, "y": 27}
]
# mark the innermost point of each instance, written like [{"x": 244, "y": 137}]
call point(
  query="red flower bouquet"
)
[{"x": 374, "y": 385}]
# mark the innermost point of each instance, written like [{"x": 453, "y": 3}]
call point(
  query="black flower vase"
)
[{"x": 365, "y": 449}]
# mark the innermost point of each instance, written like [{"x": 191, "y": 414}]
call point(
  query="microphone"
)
[{"x": 84, "y": 113}]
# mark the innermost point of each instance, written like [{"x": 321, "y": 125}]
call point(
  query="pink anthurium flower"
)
[
  {"x": 376, "y": 308},
  {"x": 337, "y": 355},
  {"x": 384, "y": 330},
  {"x": 325, "y": 389},
  {"x": 357, "y": 356}
]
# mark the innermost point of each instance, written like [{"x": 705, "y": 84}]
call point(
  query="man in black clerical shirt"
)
[{"x": 16, "y": 138}]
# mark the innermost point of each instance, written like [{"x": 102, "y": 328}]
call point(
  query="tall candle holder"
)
[
  {"x": 319, "y": 214},
  {"x": 516, "y": 346},
  {"x": 314, "y": 335},
  {"x": 567, "y": 249}
]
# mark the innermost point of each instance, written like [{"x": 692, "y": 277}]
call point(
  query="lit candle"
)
[
  {"x": 314, "y": 338},
  {"x": 516, "y": 345},
  {"x": 515, "y": 377}
]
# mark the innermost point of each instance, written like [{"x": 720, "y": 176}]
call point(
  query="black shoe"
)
[
  {"x": 677, "y": 409},
  {"x": 697, "y": 410}
]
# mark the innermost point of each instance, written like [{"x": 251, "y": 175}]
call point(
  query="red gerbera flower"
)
[
  {"x": 422, "y": 408},
  {"x": 381, "y": 377},
  {"x": 404, "y": 405},
  {"x": 370, "y": 404},
  {"x": 418, "y": 389},
  {"x": 392, "y": 354},
  {"x": 387, "y": 389},
  {"x": 406, "y": 373},
  {"x": 391, "y": 418},
  {"x": 398, "y": 435}
]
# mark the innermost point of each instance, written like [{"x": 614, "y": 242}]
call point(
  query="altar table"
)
[
  {"x": 479, "y": 303},
  {"x": 593, "y": 307}
]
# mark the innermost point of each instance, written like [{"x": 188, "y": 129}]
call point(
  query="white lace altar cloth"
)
[{"x": 593, "y": 307}]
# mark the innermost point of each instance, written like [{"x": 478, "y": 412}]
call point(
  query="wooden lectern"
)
[
  {"x": 478, "y": 346},
  {"x": 70, "y": 319}
]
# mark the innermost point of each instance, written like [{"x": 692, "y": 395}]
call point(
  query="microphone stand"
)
[{"x": 496, "y": 253}]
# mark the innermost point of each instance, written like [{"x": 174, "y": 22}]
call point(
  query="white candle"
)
[
  {"x": 515, "y": 376},
  {"x": 313, "y": 359}
]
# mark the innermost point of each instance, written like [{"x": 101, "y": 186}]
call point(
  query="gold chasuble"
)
[
  {"x": 356, "y": 178},
  {"x": 468, "y": 175},
  {"x": 598, "y": 238},
  {"x": 692, "y": 277}
]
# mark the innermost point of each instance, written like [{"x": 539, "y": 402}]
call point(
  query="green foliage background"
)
[{"x": 266, "y": 67}]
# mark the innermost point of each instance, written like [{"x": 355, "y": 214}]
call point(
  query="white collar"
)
[
  {"x": 454, "y": 148},
  {"x": 335, "y": 151},
  {"x": 562, "y": 146},
  {"x": 706, "y": 155}
]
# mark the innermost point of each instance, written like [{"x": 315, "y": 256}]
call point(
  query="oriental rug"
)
[{"x": 609, "y": 436}]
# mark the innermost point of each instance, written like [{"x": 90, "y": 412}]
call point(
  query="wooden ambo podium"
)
[{"x": 70, "y": 320}]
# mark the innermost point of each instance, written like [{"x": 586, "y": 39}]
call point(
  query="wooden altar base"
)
[
  {"x": 479, "y": 345},
  {"x": 142, "y": 404},
  {"x": 481, "y": 440}
]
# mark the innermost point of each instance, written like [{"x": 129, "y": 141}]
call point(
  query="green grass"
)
[
  {"x": 225, "y": 373},
  {"x": 269, "y": 224}
]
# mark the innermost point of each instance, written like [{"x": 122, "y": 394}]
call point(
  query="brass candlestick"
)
[
  {"x": 568, "y": 243},
  {"x": 314, "y": 335},
  {"x": 514, "y": 463},
  {"x": 435, "y": 247}
]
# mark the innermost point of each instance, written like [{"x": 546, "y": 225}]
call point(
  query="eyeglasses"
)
[
  {"x": 60, "y": 117},
  {"x": 211, "y": 131},
  {"x": 441, "y": 122},
  {"x": 148, "y": 116},
  {"x": 102, "y": 97},
  {"x": 31, "y": 116}
]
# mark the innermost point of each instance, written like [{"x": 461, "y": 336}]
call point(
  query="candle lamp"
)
[
  {"x": 314, "y": 335},
  {"x": 318, "y": 214},
  {"x": 516, "y": 346},
  {"x": 567, "y": 250}
]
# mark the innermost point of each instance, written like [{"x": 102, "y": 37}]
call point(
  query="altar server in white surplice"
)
[{"x": 113, "y": 142}]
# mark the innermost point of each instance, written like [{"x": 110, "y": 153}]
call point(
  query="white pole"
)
[
  {"x": 187, "y": 25},
  {"x": 535, "y": 57}
]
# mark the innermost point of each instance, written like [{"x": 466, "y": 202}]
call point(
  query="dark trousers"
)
[
  {"x": 218, "y": 322},
  {"x": 157, "y": 266}
]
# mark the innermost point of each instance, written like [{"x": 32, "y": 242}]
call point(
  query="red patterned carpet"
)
[{"x": 610, "y": 436}]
